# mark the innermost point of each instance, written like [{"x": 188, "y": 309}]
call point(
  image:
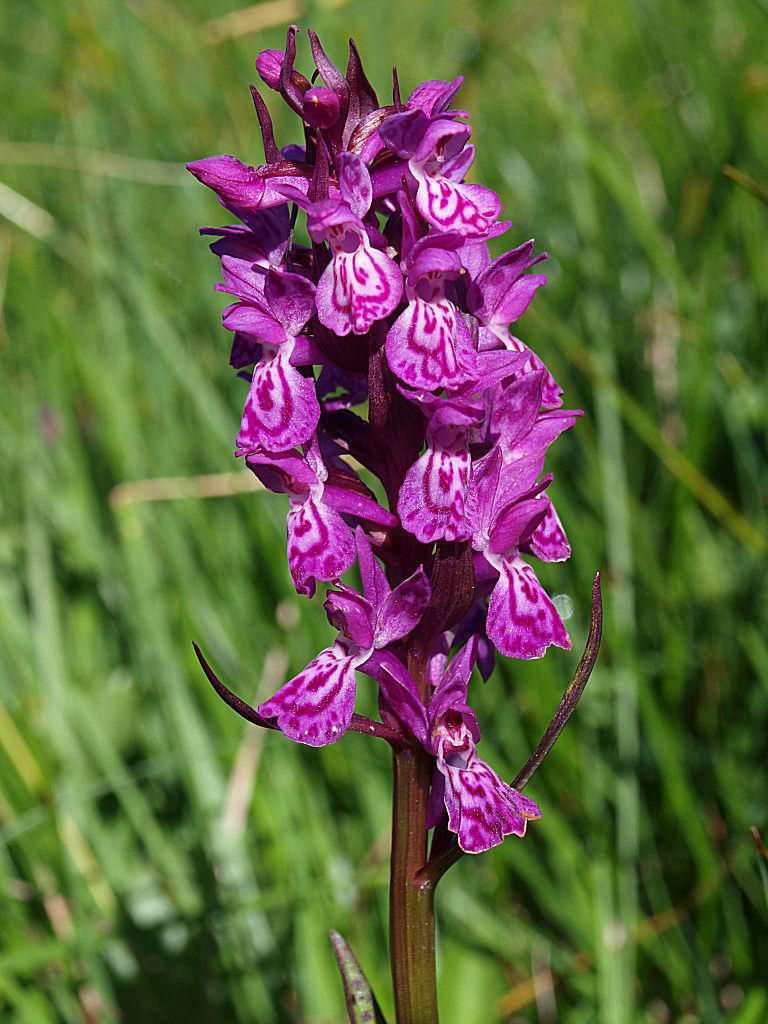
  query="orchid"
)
[{"x": 385, "y": 373}]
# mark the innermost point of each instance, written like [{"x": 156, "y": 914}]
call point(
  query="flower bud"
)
[{"x": 321, "y": 107}]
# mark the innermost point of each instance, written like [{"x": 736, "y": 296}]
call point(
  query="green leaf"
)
[{"x": 361, "y": 1002}]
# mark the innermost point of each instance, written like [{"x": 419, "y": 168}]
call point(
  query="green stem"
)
[
  {"x": 411, "y": 902},
  {"x": 411, "y": 906}
]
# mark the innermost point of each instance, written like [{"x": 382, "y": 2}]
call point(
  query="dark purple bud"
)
[{"x": 321, "y": 107}]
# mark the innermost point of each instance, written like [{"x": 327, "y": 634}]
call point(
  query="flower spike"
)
[{"x": 404, "y": 423}]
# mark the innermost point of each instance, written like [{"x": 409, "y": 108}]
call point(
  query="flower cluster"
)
[{"x": 391, "y": 402}]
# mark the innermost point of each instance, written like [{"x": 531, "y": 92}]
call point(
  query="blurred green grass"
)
[{"x": 159, "y": 862}]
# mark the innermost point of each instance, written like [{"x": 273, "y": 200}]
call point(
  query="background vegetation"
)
[{"x": 160, "y": 862}]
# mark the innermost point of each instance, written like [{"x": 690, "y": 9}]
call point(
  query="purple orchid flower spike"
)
[
  {"x": 316, "y": 706},
  {"x": 438, "y": 496},
  {"x": 482, "y": 809},
  {"x": 384, "y": 364}
]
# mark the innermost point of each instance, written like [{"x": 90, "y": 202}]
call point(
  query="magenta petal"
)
[
  {"x": 436, "y": 803},
  {"x": 515, "y": 523},
  {"x": 469, "y": 209},
  {"x": 552, "y": 393},
  {"x": 358, "y": 288},
  {"x": 482, "y": 809},
  {"x": 403, "y": 132},
  {"x": 519, "y": 297},
  {"x": 434, "y": 96},
  {"x": 243, "y": 278},
  {"x": 269, "y": 64},
  {"x": 232, "y": 181},
  {"x": 429, "y": 346},
  {"x": 398, "y": 694},
  {"x": 522, "y": 621},
  {"x": 436, "y": 497},
  {"x": 291, "y": 298},
  {"x": 355, "y": 183},
  {"x": 246, "y": 351},
  {"x": 352, "y": 614},
  {"x": 353, "y": 504},
  {"x": 402, "y": 609},
  {"x": 444, "y": 139},
  {"x": 548, "y": 541},
  {"x": 487, "y": 473},
  {"x": 451, "y": 690},
  {"x": 456, "y": 168},
  {"x": 516, "y": 407},
  {"x": 375, "y": 583},
  {"x": 320, "y": 544},
  {"x": 316, "y": 706},
  {"x": 244, "y": 317},
  {"x": 489, "y": 291},
  {"x": 281, "y": 409},
  {"x": 282, "y": 472}
]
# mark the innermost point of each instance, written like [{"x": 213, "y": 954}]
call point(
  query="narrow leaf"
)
[{"x": 361, "y": 1002}]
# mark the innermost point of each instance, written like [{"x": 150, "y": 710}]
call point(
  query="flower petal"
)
[
  {"x": 401, "y": 610},
  {"x": 315, "y": 707},
  {"x": 398, "y": 697},
  {"x": 522, "y": 621},
  {"x": 402, "y": 132},
  {"x": 355, "y": 183},
  {"x": 469, "y": 209},
  {"x": 358, "y": 288},
  {"x": 291, "y": 298},
  {"x": 231, "y": 180},
  {"x": 437, "y": 498},
  {"x": 548, "y": 541},
  {"x": 352, "y": 614},
  {"x": 515, "y": 522},
  {"x": 429, "y": 346},
  {"x": 281, "y": 409},
  {"x": 376, "y": 586},
  {"x": 482, "y": 808},
  {"x": 433, "y": 96},
  {"x": 320, "y": 544}
]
